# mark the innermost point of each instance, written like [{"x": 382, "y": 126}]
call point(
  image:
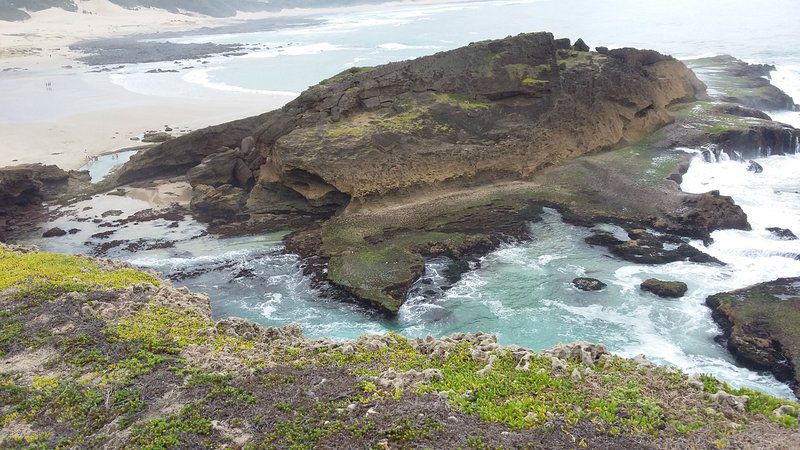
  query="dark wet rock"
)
[
  {"x": 159, "y": 70},
  {"x": 588, "y": 284},
  {"x": 73, "y": 231},
  {"x": 647, "y": 248},
  {"x": 54, "y": 232},
  {"x": 761, "y": 326},
  {"x": 244, "y": 273},
  {"x": 173, "y": 213},
  {"x": 754, "y": 167},
  {"x": 704, "y": 213},
  {"x": 782, "y": 233},
  {"x": 31, "y": 183},
  {"x": 580, "y": 46},
  {"x": 742, "y": 83},
  {"x": 226, "y": 166},
  {"x": 217, "y": 203},
  {"x": 103, "y": 248},
  {"x": 455, "y": 269},
  {"x": 148, "y": 244},
  {"x": 667, "y": 289},
  {"x": 103, "y": 235}
]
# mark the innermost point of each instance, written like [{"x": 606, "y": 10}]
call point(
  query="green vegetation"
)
[
  {"x": 161, "y": 377},
  {"x": 461, "y": 101},
  {"x": 346, "y": 74},
  {"x": 528, "y": 75},
  {"x": 37, "y": 272},
  {"x": 168, "y": 330},
  {"x": 411, "y": 120},
  {"x": 575, "y": 58},
  {"x": 162, "y": 433}
]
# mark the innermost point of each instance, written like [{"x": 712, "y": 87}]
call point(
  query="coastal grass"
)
[
  {"x": 617, "y": 393},
  {"x": 347, "y": 73},
  {"x": 168, "y": 377},
  {"x": 39, "y": 271}
]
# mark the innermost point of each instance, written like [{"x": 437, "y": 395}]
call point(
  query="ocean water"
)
[
  {"x": 289, "y": 60},
  {"x": 521, "y": 292}
]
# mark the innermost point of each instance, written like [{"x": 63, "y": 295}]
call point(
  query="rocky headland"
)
[
  {"x": 446, "y": 155},
  {"x": 95, "y": 353}
]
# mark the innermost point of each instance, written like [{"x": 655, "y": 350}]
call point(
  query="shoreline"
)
[{"x": 89, "y": 115}]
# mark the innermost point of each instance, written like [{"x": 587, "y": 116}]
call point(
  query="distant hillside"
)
[
  {"x": 15, "y": 10},
  {"x": 11, "y": 10}
]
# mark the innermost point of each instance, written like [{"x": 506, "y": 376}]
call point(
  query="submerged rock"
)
[
  {"x": 588, "y": 284},
  {"x": 782, "y": 233},
  {"x": 669, "y": 289},
  {"x": 54, "y": 232},
  {"x": 644, "y": 247},
  {"x": 754, "y": 167}
]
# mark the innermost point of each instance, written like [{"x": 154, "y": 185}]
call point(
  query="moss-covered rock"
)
[{"x": 661, "y": 288}]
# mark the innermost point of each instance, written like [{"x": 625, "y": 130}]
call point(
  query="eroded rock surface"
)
[{"x": 761, "y": 326}]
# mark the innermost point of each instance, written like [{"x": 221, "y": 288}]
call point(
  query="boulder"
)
[
  {"x": 54, "y": 232},
  {"x": 667, "y": 289},
  {"x": 588, "y": 284},
  {"x": 211, "y": 203},
  {"x": 782, "y": 233},
  {"x": 563, "y": 44},
  {"x": 754, "y": 167},
  {"x": 216, "y": 169},
  {"x": 580, "y": 46}
]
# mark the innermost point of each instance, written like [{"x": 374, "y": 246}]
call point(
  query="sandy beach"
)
[
  {"x": 80, "y": 114},
  {"x": 58, "y": 110}
]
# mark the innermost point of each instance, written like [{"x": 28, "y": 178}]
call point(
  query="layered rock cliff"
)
[{"x": 498, "y": 109}]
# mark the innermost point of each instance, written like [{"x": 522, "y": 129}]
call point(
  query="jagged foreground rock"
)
[{"x": 96, "y": 354}]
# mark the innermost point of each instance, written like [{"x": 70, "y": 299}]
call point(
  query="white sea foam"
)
[
  {"x": 202, "y": 77},
  {"x": 398, "y": 46},
  {"x": 294, "y": 50}
]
